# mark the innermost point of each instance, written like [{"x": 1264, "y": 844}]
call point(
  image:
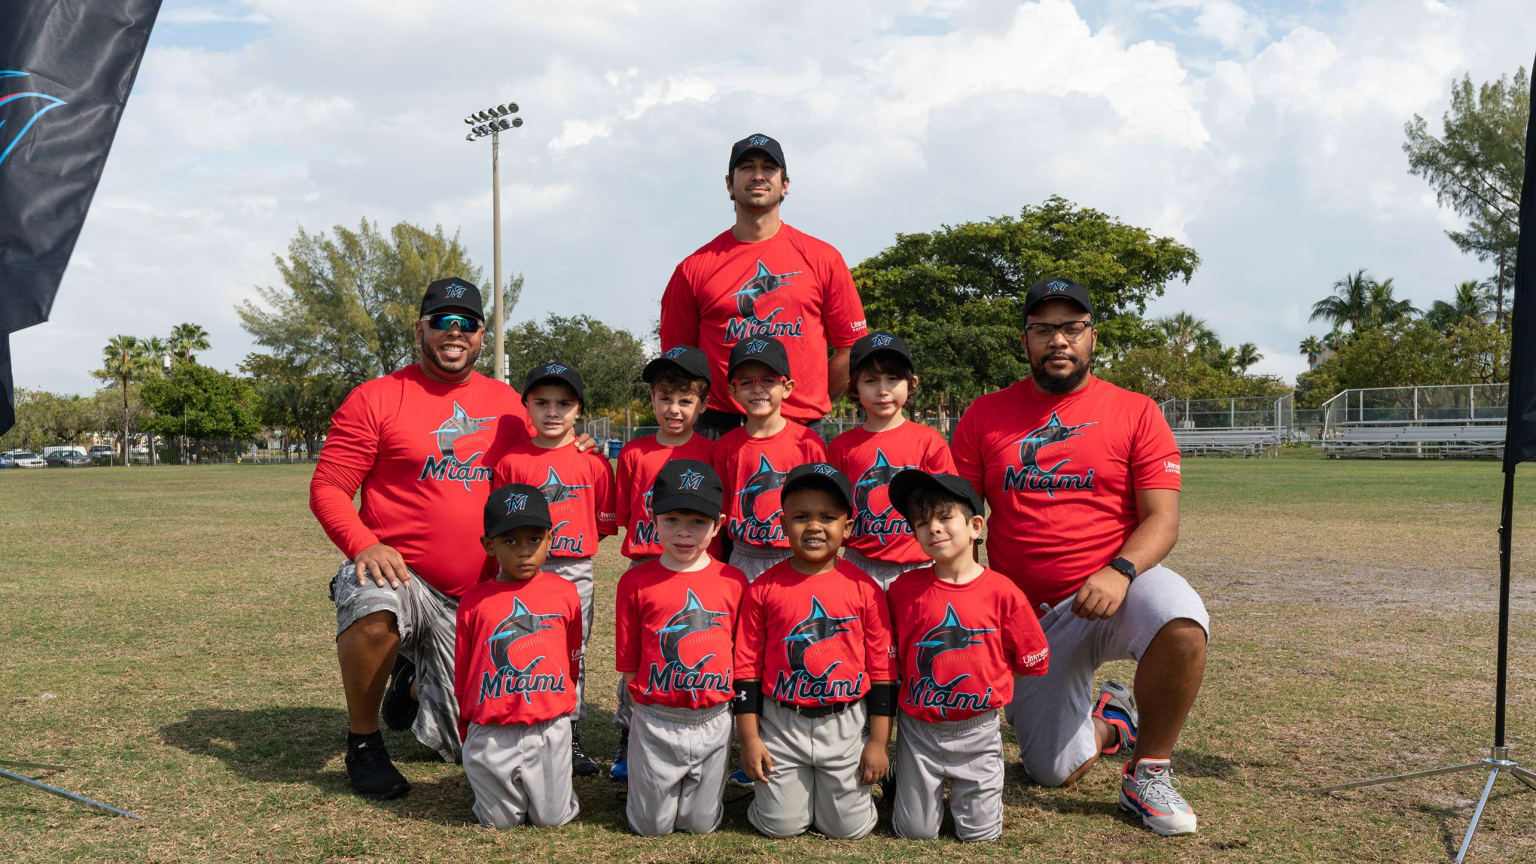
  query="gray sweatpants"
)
[
  {"x": 815, "y": 777},
  {"x": 521, "y": 774},
  {"x": 755, "y": 560},
  {"x": 425, "y": 618},
  {"x": 578, "y": 572},
  {"x": 883, "y": 572},
  {"x": 968, "y": 753},
  {"x": 1051, "y": 713},
  {"x": 677, "y": 766}
]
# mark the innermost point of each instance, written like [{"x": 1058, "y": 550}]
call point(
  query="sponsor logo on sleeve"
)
[{"x": 1171, "y": 467}]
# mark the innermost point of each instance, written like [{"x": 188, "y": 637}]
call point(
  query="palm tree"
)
[
  {"x": 1184, "y": 331},
  {"x": 1247, "y": 355},
  {"x": 124, "y": 361},
  {"x": 1348, "y": 304},
  {"x": 1471, "y": 302},
  {"x": 187, "y": 338},
  {"x": 157, "y": 358},
  {"x": 1313, "y": 348},
  {"x": 1384, "y": 309}
]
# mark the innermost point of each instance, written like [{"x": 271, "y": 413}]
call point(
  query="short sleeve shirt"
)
[
  {"x": 639, "y": 463},
  {"x": 517, "y": 646},
  {"x": 752, "y": 471},
  {"x": 578, "y": 486},
  {"x": 870, "y": 460},
  {"x": 676, "y": 631}
]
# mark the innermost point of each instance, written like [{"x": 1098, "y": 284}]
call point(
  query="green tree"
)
[
  {"x": 186, "y": 340},
  {"x": 956, "y": 294},
  {"x": 1349, "y": 304},
  {"x": 296, "y": 403},
  {"x": 1470, "y": 302},
  {"x": 124, "y": 362},
  {"x": 206, "y": 403},
  {"x": 1184, "y": 332},
  {"x": 1247, "y": 355},
  {"x": 1164, "y": 372},
  {"x": 1312, "y": 348},
  {"x": 349, "y": 302},
  {"x": 610, "y": 361},
  {"x": 1384, "y": 308},
  {"x": 1403, "y": 354}
]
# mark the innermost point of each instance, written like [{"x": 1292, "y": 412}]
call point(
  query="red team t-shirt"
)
[
  {"x": 791, "y": 286},
  {"x": 516, "y": 648},
  {"x": 422, "y": 453},
  {"x": 676, "y": 632},
  {"x": 961, "y": 645},
  {"x": 814, "y": 640},
  {"x": 752, "y": 471},
  {"x": 639, "y": 463},
  {"x": 1060, "y": 474},
  {"x": 578, "y": 487},
  {"x": 870, "y": 460}
]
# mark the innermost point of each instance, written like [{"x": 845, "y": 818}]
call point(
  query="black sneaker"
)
[
  {"x": 619, "y": 773},
  {"x": 399, "y": 709},
  {"x": 372, "y": 774},
  {"x": 582, "y": 765}
]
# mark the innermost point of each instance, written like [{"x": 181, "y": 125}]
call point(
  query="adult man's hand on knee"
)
[
  {"x": 1101, "y": 596},
  {"x": 384, "y": 564}
]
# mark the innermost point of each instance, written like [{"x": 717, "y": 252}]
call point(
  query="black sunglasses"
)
[{"x": 448, "y": 320}]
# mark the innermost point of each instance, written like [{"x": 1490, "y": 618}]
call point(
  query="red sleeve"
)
[
  {"x": 607, "y": 521},
  {"x": 1027, "y": 651},
  {"x": 842, "y": 312},
  {"x": 626, "y": 627},
  {"x": 1154, "y": 454},
  {"x": 965, "y": 450},
  {"x": 351, "y": 446},
  {"x": 812, "y": 447},
  {"x": 749, "y": 637},
  {"x": 938, "y": 459},
  {"x": 679, "y": 312},
  {"x": 622, "y": 481},
  {"x": 463, "y": 659},
  {"x": 879, "y": 649}
]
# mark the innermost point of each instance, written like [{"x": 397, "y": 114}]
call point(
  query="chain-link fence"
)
[{"x": 1417, "y": 422}]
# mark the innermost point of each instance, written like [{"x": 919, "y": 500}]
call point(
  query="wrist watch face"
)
[{"x": 1125, "y": 567}]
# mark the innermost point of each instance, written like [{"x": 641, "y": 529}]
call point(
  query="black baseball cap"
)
[
  {"x": 453, "y": 293},
  {"x": 878, "y": 342},
  {"x": 951, "y": 486},
  {"x": 757, "y": 142},
  {"x": 1054, "y": 287},
  {"x": 556, "y": 372},
  {"x": 763, "y": 349},
  {"x": 515, "y": 505},
  {"x": 693, "y": 362},
  {"x": 819, "y": 475},
  {"x": 687, "y": 484}
]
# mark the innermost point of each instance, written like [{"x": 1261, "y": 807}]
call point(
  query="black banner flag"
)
[
  {"x": 1520, "y": 436},
  {"x": 66, "y": 67}
]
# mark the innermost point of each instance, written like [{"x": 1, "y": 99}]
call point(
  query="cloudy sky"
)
[{"x": 1266, "y": 135}]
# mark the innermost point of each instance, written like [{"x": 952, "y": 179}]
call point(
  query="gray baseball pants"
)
[
  {"x": 625, "y": 709},
  {"x": 883, "y": 572},
  {"x": 677, "y": 767},
  {"x": 969, "y": 754},
  {"x": 578, "y": 572},
  {"x": 755, "y": 560},
  {"x": 521, "y": 774},
  {"x": 815, "y": 779}
]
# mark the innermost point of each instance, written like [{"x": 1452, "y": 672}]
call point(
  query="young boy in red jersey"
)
[
  {"x": 814, "y": 659},
  {"x": 679, "y": 382},
  {"x": 517, "y": 647},
  {"x": 754, "y": 459},
  {"x": 962, "y": 632},
  {"x": 580, "y": 491},
  {"x": 880, "y": 541},
  {"x": 674, "y": 629}
]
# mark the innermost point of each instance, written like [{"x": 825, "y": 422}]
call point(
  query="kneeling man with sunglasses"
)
[{"x": 420, "y": 443}]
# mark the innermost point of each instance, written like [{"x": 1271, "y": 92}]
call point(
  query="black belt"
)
[{"x": 814, "y": 711}]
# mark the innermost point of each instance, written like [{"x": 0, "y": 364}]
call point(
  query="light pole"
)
[{"x": 492, "y": 121}]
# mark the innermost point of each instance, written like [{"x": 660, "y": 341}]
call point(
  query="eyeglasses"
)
[
  {"x": 1044, "y": 332},
  {"x": 448, "y": 320},
  {"x": 764, "y": 381}
]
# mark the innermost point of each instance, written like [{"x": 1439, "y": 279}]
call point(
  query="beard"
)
[{"x": 1058, "y": 385}]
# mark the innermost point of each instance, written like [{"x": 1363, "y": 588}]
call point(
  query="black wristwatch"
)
[{"x": 1125, "y": 568}]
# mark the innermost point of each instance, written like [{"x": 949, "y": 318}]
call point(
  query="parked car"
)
[
  {"x": 26, "y": 459},
  {"x": 66, "y": 457},
  {"x": 6, "y": 461},
  {"x": 103, "y": 452}
]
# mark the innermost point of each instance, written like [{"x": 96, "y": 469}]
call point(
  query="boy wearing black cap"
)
[
  {"x": 753, "y": 460},
  {"x": 880, "y": 541},
  {"x": 518, "y": 645},
  {"x": 580, "y": 491},
  {"x": 962, "y": 633},
  {"x": 813, "y": 660},
  {"x": 674, "y": 628}
]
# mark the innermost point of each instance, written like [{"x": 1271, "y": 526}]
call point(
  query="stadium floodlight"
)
[{"x": 493, "y": 121}]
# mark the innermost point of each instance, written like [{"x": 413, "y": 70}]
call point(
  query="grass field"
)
[{"x": 167, "y": 632}]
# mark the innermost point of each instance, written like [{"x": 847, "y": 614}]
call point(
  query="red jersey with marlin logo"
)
[
  {"x": 870, "y": 460},
  {"x": 516, "y": 647},
  {"x": 639, "y": 463},
  {"x": 578, "y": 486},
  {"x": 1060, "y": 475},
  {"x": 961, "y": 645},
  {"x": 752, "y": 470},
  {"x": 422, "y": 451},
  {"x": 676, "y": 631},
  {"x": 815, "y": 640},
  {"x": 791, "y": 286}
]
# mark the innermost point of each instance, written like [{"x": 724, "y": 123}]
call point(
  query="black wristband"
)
[
  {"x": 748, "y": 698},
  {"x": 881, "y": 699}
]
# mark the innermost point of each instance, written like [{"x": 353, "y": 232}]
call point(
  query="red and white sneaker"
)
[{"x": 1149, "y": 788}]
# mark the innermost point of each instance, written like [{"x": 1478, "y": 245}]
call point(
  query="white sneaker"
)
[{"x": 1151, "y": 790}]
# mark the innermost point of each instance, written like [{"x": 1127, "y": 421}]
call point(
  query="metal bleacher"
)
[
  {"x": 1242, "y": 426},
  {"x": 1438, "y": 422}
]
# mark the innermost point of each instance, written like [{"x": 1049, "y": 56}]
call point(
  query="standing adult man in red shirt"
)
[
  {"x": 1082, "y": 479},
  {"x": 420, "y": 443},
  {"x": 762, "y": 277}
]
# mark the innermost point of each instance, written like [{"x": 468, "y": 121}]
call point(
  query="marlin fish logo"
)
[
  {"x": 456, "y": 427},
  {"x": 764, "y": 282},
  {"x": 1053, "y": 432},
  {"x": 674, "y": 674},
  {"x": 818, "y": 626},
  {"x": 514, "y": 627},
  {"x": 798, "y": 683},
  {"x": 876, "y": 476},
  {"x": 764, "y": 481},
  {"x": 949, "y": 635},
  {"x": 556, "y": 491},
  {"x": 24, "y": 111}
]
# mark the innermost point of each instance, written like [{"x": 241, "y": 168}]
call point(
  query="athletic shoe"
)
[
  {"x": 739, "y": 780},
  {"x": 1151, "y": 790},
  {"x": 399, "y": 709},
  {"x": 582, "y": 765},
  {"x": 619, "y": 773},
  {"x": 1117, "y": 707},
  {"x": 372, "y": 774}
]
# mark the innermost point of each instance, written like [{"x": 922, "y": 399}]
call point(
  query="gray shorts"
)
[
  {"x": 815, "y": 779},
  {"x": 883, "y": 572},
  {"x": 969, "y": 754},
  {"x": 425, "y": 618},
  {"x": 521, "y": 774},
  {"x": 755, "y": 560},
  {"x": 1051, "y": 714},
  {"x": 677, "y": 767}
]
